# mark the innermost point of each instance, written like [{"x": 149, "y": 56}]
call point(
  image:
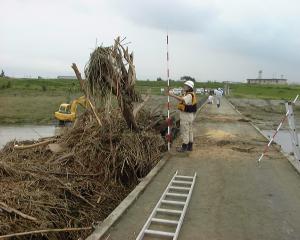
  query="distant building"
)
[
  {"x": 261, "y": 80},
  {"x": 267, "y": 81},
  {"x": 66, "y": 77}
]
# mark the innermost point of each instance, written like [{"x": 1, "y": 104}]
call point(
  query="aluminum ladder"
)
[{"x": 176, "y": 198}]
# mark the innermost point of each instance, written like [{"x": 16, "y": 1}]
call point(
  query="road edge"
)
[{"x": 292, "y": 161}]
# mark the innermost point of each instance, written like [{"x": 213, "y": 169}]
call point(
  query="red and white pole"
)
[{"x": 168, "y": 80}]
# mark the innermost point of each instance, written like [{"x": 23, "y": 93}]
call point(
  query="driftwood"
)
[
  {"x": 111, "y": 69},
  {"x": 81, "y": 82},
  {"x": 8, "y": 209},
  {"x": 140, "y": 106},
  {"x": 70, "y": 190},
  {"x": 152, "y": 124},
  {"x": 22, "y": 147},
  {"x": 65, "y": 173},
  {"x": 63, "y": 157},
  {"x": 56, "y": 148},
  {"x": 44, "y": 231},
  {"x": 102, "y": 164},
  {"x": 79, "y": 196},
  {"x": 48, "y": 138}
]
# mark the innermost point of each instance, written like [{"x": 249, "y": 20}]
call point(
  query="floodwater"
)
[
  {"x": 26, "y": 132},
  {"x": 283, "y": 138}
]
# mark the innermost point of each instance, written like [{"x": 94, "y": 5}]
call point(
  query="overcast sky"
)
[{"x": 209, "y": 39}]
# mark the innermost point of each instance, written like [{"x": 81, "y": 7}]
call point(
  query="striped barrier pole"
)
[
  {"x": 277, "y": 130},
  {"x": 168, "y": 114}
]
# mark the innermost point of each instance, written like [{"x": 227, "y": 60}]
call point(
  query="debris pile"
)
[{"x": 69, "y": 182}]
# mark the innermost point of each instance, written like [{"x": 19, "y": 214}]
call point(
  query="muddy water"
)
[
  {"x": 282, "y": 138},
  {"x": 27, "y": 132}
]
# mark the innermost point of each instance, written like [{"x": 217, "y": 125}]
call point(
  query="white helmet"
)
[{"x": 189, "y": 83}]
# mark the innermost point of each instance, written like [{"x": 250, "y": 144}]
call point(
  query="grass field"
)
[
  {"x": 34, "y": 101},
  {"x": 284, "y": 92}
]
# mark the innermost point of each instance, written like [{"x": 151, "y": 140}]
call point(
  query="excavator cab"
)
[{"x": 65, "y": 108}]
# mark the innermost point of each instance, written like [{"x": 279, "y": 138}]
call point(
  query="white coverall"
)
[
  {"x": 219, "y": 95},
  {"x": 186, "y": 122},
  {"x": 211, "y": 99}
]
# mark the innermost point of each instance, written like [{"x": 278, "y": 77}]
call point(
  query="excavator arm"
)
[{"x": 79, "y": 101}]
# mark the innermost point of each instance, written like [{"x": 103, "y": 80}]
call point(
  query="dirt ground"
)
[
  {"x": 234, "y": 197},
  {"x": 266, "y": 114}
]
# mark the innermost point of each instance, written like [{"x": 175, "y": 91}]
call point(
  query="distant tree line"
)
[
  {"x": 187, "y": 78},
  {"x": 183, "y": 78}
]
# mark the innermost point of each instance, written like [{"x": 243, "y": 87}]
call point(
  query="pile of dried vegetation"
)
[{"x": 65, "y": 184}]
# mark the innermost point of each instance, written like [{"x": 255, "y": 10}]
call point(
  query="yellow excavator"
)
[{"x": 67, "y": 111}]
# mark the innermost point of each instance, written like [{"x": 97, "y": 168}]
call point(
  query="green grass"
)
[
  {"x": 34, "y": 101},
  {"x": 283, "y": 92},
  {"x": 39, "y": 84}
]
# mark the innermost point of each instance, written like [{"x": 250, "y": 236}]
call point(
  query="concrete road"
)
[{"x": 233, "y": 198}]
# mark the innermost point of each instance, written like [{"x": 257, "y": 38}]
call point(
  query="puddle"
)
[{"x": 27, "y": 132}]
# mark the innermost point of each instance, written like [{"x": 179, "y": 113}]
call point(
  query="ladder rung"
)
[
  {"x": 173, "y": 202},
  {"x": 159, "y": 233},
  {"x": 177, "y": 194},
  {"x": 182, "y": 182},
  {"x": 165, "y": 221},
  {"x": 180, "y": 188},
  {"x": 182, "y": 176},
  {"x": 169, "y": 211}
]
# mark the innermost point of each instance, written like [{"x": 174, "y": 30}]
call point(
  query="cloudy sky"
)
[{"x": 209, "y": 39}]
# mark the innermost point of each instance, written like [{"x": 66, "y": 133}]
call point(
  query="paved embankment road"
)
[{"x": 233, "y": 198}]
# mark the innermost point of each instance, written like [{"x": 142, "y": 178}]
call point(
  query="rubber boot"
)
[
  {"x": 183, "y": 148},
  {"x": 190, "y": 146}
]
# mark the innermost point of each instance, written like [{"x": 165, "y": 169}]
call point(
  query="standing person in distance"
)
[
  {"x": 188, "y": 107},
  {"x": 210, "y": 99},
  {"x": 219, "y": 94}
]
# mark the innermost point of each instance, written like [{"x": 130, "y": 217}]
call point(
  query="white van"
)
[
  {"x": 199, "y": 90},
  {"x": 177, "y": 91}
]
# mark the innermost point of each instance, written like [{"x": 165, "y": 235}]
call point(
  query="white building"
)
[{"x": 267, "y": 81}]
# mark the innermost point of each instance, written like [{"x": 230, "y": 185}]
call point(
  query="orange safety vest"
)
[{"x": 188, "y": 108}]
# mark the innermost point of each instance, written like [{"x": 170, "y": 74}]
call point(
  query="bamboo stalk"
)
[
  {"x": 22, "y": 147},
  {"x": 8, "y": 209}
]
